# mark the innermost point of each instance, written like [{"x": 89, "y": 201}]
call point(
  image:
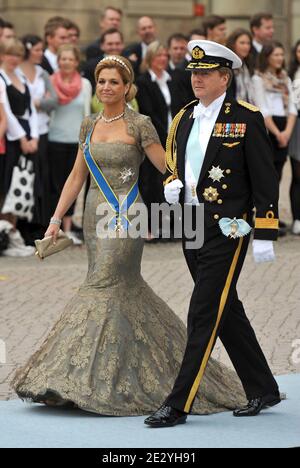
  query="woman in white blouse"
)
[
  {"x": 273, "y": 94},
  {"x": 294, "y": 148},
  {"x": 22, "y": 128}
]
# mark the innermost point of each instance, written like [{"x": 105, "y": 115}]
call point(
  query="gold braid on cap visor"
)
[{"x": 203, "y": 66}]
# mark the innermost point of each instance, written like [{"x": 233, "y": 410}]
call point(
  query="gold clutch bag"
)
[{"x": 45, "y": 247}]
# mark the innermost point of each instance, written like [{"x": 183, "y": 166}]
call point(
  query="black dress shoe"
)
[
  {"x": 282, "y": 232},
  {"x": 255, "y": 405},
  {"x": 282, "y": 225},
  {"x": 166, "y": 416}
]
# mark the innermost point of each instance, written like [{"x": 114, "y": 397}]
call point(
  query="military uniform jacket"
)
[{"x": 239, "y": 147}]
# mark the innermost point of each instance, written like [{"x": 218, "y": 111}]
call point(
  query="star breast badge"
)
[
  {"x": 211, "y": 194},
  {"x": 126, "y": 175},
  {"x": 216, "y": 174}
]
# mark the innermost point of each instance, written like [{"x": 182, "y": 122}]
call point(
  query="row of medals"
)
[{"x": 229, "y": 130}]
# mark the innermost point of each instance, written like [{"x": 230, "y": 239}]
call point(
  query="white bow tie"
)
[{"x": 201, "y": 111}]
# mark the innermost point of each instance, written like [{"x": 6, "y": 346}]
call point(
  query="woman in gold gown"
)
[{"x": 117, "y": 348}]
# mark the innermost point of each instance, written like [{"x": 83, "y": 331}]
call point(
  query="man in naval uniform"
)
[{"x": 223, "y": 160}]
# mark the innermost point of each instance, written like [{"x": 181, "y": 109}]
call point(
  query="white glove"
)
[
  {"x": 172, "y": 191},
  {"x": 263, "y": 251}
]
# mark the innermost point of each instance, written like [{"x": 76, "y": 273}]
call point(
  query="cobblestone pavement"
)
[{"x": 33, "y": 294}]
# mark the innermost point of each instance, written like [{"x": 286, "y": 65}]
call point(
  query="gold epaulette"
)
[
  {"x": 248, "y": 106},
  {"x": 171, "y": 145}
]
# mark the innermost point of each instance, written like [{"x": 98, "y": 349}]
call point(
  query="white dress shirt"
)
[
  {"x": 37, "y": 90},
  {"x": 257, "y": 45},
  {"x": 271, "y": 103},
  {"x": 208, "y": 117},
  {"x": 52, "y": 59},
  {"x": 144, "y": 49},
  {"x": 163, "y": 85},
  {"x": 172, "y": 65},
  {"x": 2, "y": 92},
  {"x": 14, "y": 128}
]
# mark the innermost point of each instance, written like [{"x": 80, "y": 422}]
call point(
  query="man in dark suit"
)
[
  {"x": 112, "y": 43},
  {"x": 220, "y": 156},
  {"x": 111, "y": 18},
  {"x": 136, "y": 52},
  {"x": 7, "y": 31},
  {"x": 215, "y": 28},
  {"x": 177, "y": 48},
  {"x": 262, "y": 30},
  {"x": 56, "y": 34}
]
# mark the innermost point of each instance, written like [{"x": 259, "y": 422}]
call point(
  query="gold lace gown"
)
[{"x": 117, "y": 348}]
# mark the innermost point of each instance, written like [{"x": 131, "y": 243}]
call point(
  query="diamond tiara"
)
[{"x": 116, "y": 59}]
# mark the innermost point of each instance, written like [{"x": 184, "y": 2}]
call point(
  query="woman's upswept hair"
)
[
  {"x": 29, "y": 41},
  {"x": 125, "y": 69}
]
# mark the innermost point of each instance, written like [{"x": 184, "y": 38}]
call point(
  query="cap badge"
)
[{"x": 198, "y": 53}]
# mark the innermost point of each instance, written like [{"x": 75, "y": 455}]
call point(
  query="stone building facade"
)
[{"x": 171, "y": 15}]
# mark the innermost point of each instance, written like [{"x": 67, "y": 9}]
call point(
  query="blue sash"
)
[{"x": 119, "y": 221}]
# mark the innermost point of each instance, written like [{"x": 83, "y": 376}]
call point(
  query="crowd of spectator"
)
[{"x": 47, "y": 87}]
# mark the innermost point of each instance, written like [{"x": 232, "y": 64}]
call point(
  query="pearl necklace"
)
[{"x": 113, "y": 119}]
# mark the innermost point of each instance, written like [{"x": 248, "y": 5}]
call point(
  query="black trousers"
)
[
  {"x": 61, "y": 159},
  {"x": 295, "y": 189},
  {"x": 151, "y": 188},
  {"x": 42, "y": 174},
  {"x": 279, "y": 154},
  {"x": 216, "y": 311}
]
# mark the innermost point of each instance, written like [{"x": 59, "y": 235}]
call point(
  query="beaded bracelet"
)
[{"x": 55, "y": 221}]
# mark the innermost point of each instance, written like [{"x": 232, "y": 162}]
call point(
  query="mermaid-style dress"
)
[{"x": 117, "y": 348}]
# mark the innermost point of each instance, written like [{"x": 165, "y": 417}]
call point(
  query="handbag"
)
[
  {"x": 20, "y": 198},
  {"x": 46, "y": 247}
]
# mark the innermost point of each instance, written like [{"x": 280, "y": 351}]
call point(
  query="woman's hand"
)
[
  {"x": 282, "y": 140},
  {"x": 52, "y": 231},
  {"x": 287, "y": 135},
  {"x": 25, "y": 147},
  {"x": 33, "y": 145}
]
